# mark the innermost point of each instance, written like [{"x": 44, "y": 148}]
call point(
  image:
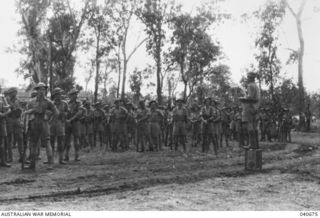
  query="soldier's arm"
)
[
  {"x": 53, "y": 109},
  {"x": 77, "y": 115}
]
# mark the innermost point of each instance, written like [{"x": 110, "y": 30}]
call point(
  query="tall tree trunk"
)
[
  {"x": 50, "y": 66},
  {"x": 124, "y": 77},
  {"x": 119, "y": 74},
  {"x": 297, "y": 17},
  {"x": 300, "y": 68},
  {"x": 97, "y": 69},
  {"x": 159, "y": 86}
]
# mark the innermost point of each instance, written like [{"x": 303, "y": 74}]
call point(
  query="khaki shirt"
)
[{"x": 249, "y": 112}]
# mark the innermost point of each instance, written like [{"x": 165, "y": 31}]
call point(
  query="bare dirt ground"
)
[{"x": 172, "y": 180}]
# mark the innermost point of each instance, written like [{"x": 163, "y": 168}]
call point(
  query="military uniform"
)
[
  {"x": 225, "y": 124},
  {"x": 39, "y": 126},
  {"x": 119, "y": 127},
  {"x": 58, "y": 124},
  {"x": 180, "y": 117},
  {"x": 98, "y": 123},
  {"x": 208, "y": 116},
  {"x": 88, "y": 119},
  {"x": 14, "y": 124},
  {"x": 4, "y": 110},
  {"x": 250, "y": 111},
  {"x": 155, "y": 119},
  {"x": 196, "y": 126},
  {"x": 73, "y": 126},
  {"x": 142, "y": 128}
]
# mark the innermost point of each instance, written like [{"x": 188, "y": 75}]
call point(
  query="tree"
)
[
  {"x": 300, "y": 52},
  {"x": 103, "y": 42},
  {"x": 122, "y": 16},
  {"x": 155, "y": 14},
  {"x": 35, "y": 47},
  {"x": 271, "y": 16},
  {"x": 64, "y": 32},
  {"x": 135, "y": 84},
  {"x": 193, "y": 49}
]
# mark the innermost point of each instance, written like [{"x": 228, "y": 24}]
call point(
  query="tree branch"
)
[{"x": 136, "y": 48}]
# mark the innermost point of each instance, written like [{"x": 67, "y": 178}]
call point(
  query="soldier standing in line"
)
[
  {"x": 131, "y": 124},
  {"x": 217, "y": 129},
  {"x": 155, "y": 120},
  {"x": 14, "y": 125},
  {"x": 225, "y": 124},
  {"x": 168, "y": 127},
  {"x": 4, "y": 111},
  {"x": 250, "y": 110},
  {"x": 76, "y": 111},
  {"x": 107, "y": 127},
  {"x": 308, "y": 117},
  {"x": 180, "y": 117},
  {"x": 196, "y": 125},
  {"x": 58, "y": 124},
  {"x": 98, "y": 122},
  {"x": 119, "y": 129},
  {"x": 207, "y": 117},
  {"x": 88, "y": 124},
  {"x": 39, "y": 126},
  {"x": 142, "y": 127}
]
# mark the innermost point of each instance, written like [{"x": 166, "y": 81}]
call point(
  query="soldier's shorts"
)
[
  {"x": 142, "y": 129},
  {"x": 73, "y": 128},
  {"x": 207, "y": 129},
  {"x": 99, "y": 127},
  {"x": 119, "y": 128},
  {"x": 3, "y": 128},
  {"x": 39, "y": 129},
  {"x": 58, "y": 129},
  {"x": 217, "y": 128},
  {"x": 14, "y": 126},
  {"x": 89, "y": 128},
  {"x": 154, "y": 129},
  {"x": 179, "y": 128},
  {"x": 82, "y": 129},
  {"x": 252, "y": 125}
]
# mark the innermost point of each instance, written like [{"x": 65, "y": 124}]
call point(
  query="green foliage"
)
[
  {"x": 269, "y": 65},
  {"x": 193, "y": 49}
]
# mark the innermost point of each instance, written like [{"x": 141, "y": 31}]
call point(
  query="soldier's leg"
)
[
  {"x": 35, "y": 136},
  {"x": 60, "y": 142},
  {"x": 67, "y": 143},
  {"x": 3, "y": 134}
]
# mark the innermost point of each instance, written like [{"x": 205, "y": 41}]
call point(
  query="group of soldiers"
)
[{"x": 62, "y": 121}]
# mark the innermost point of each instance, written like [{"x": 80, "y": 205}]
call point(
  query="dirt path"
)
[{"x": 173, "y": 181}]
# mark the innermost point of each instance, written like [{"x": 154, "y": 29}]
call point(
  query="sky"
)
[{"x": 236, "y": 38}]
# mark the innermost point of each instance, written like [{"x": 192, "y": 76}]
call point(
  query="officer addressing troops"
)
[
  {"x": 39, "y": 125},
  {"x": 250, "y": 110}
]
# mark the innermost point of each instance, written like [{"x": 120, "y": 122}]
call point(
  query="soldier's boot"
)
[
  {"x": 10, "y": 158},
  {"x": 3, "y": 158},
  {"x": 76, "y": 155},
  {"x": 61, "y": 158},
  {"x": 184, "y": 147},
  {"x": 50, "y": 164}
]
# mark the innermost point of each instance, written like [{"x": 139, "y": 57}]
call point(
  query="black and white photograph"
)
[{"x": 159, "y": 105}]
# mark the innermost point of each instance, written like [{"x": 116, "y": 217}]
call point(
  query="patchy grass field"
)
[{"x": 172, "y": 181}]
